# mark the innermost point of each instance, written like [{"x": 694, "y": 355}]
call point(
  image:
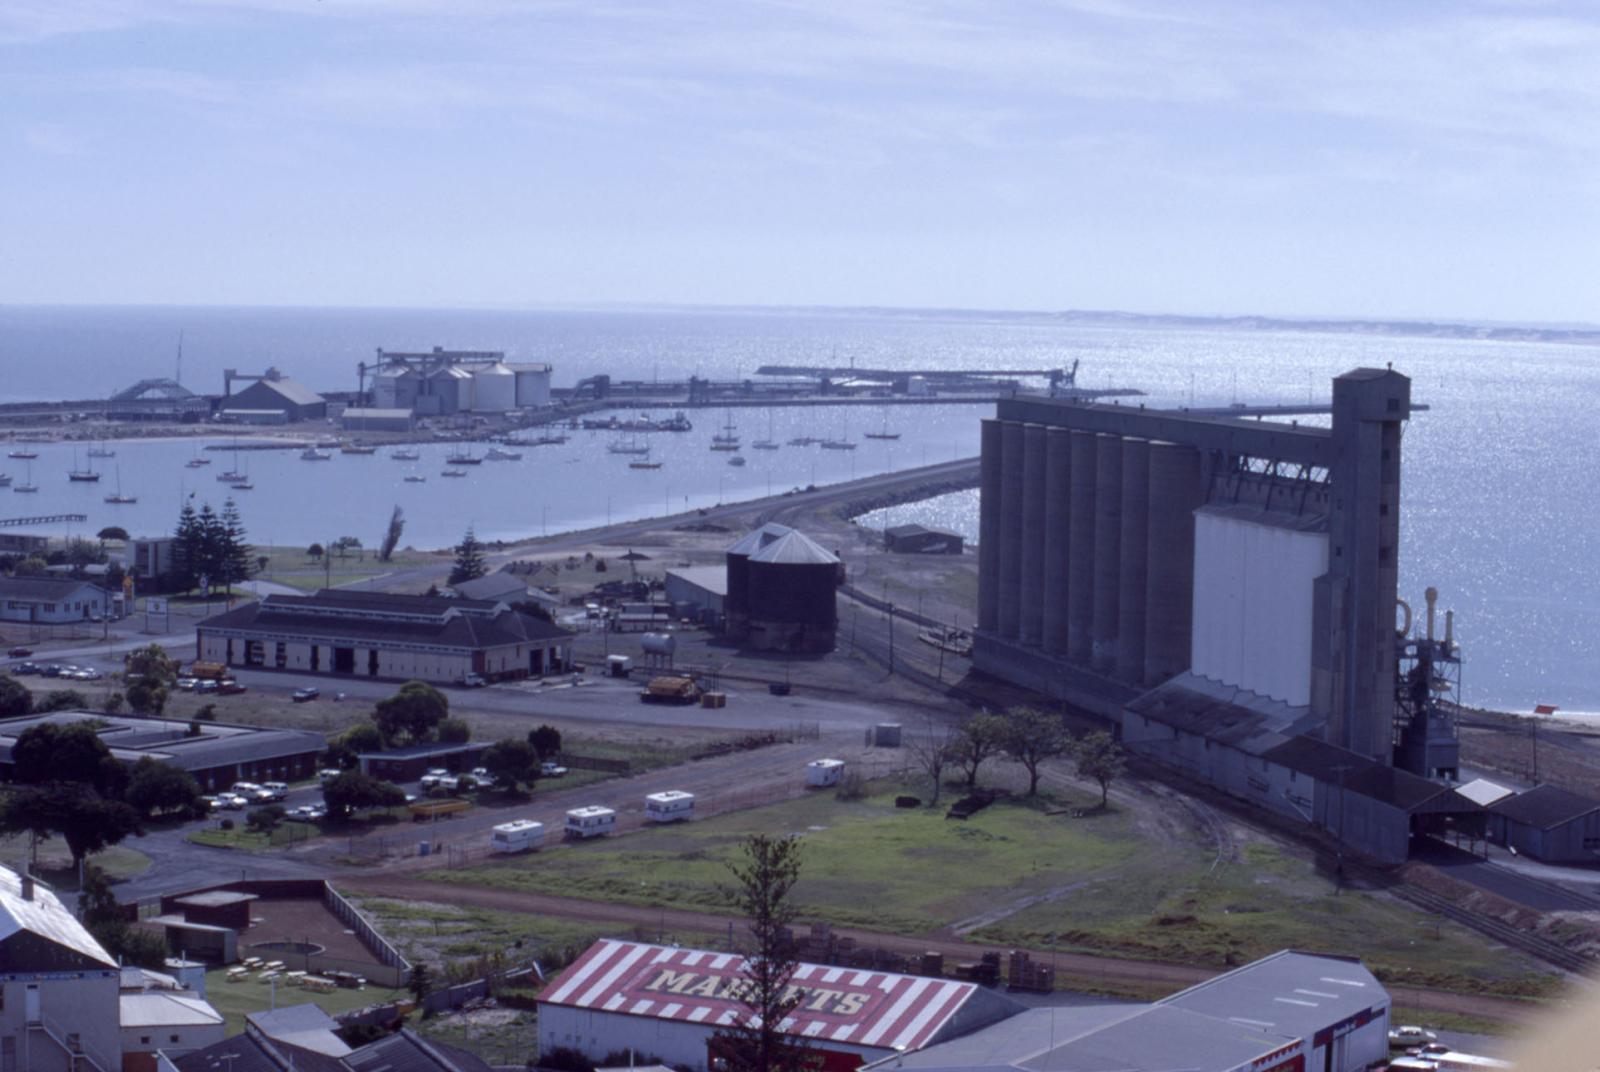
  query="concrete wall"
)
[{"x": 1253, "y": 613}]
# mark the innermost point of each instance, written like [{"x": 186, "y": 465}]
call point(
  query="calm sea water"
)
[{"x": 1499, "y": 504}]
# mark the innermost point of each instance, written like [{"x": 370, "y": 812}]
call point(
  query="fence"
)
[{"x": 364, "y": 930}]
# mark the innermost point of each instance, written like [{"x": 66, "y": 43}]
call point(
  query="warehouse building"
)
[
  {"x": 699, "y": 593},
  {"x": 51, "y": 600},
  {"x": 368, "y": 419},
  {"x": 668, "y": 1003},
  {"x": 216, "y": 753},
  {"x": 921, "y": 540},
  {"x": 382, "y": 635},
  {"x": 782, "y": 591},
  {"x": 272, "y": 398},
  {"x": 1549, "y": 824},
  {"x": 1290, "y": 1012}
]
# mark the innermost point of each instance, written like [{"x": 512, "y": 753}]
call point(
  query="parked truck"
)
[
  {"x": 670, "y": 689},
  {"x": 207, "y": 671}
]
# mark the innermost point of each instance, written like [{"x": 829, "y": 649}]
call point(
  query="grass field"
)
[
  {"x": 1094, "y": 885},
  {"x": 234, "y": 1000}
]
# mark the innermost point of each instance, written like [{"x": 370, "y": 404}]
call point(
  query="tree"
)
[
  {"x": 1099, "y": 758},
  {"x": 391, "y": 535},
  {"x": 755, "y": 1041},
  {"x": 343, "y": 751},
  {"x": 15, "y": 699},
  {"x": 454, "y": 731},
  {"x": 188, "y": 548},
  {"x": 87, "y": 821},
  {"x": 61, "y": 700},
  {"x": 978, "y": 738},
  {"x": 315, "y": 552},
  {"x": 115, "y": 575},
  {"x": 32, "y": 566},
  {"x": 1033, "y": 736},
  {"x": 470, "y": 564},
  {"x": 512, "y": 762},
  {"x": 933, "y": 752},
  {"x": 265, "y": 820},
  {"x": 48, "y": 752},
  {"x": 420, "y": 981},
  {"x": 112, "y": 532},
  {"x": 354, "y": 791},
  {"x": 150, "y": 672},
  {"x": 411, "y": 714},
  {"x": 234, "y": 553},
  {"x": 103, "y": 917},
  {"x": 156, "y": 787},
  {"x": 546, "y": 741},
  {"x": 261, "y": 563}
]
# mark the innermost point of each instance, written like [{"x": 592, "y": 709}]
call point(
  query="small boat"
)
[
  {"x": 497, "y": 454},
  {"x": 232, "y": 477},
  {"x": 244, "y": 485},
  {"x": 117, "y": 497},
  {"x": 837, "y": 444},
  {"x": 725, "y": 439},
  {"x": 464, "y": 458},
  {"x": 550, "y": 440},
  {"x": 406, "y": 456},
  {"x": 644, "y": 465},
  {"x": 312, "y": 454},
  {"x": 630, "y": 446},
  {"x": 454, "y": 472},
  {"x": 25, "y": 455},
  {"x": 197, "y": 463},
  {"x": 102, "y": 451},
  {"x": 737, "y": 459},
  {"x": 27, "y": 486},
  {"x": 885, "y": 434},
  {"x": 82, "y": 476},
  {"x": 804, "y": 441},
  {"x": 768, "y": 443},
  {"x": 415, "y": 479},
  {"x": 357, "y": 448},
  {"x": 5, "y": 480}
]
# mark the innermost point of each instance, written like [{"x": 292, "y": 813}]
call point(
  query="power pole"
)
[{"x": 1338, "y": 871}]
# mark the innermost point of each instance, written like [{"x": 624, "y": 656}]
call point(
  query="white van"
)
[
  {"x": 672, "y": 806},
  {"x": 519, "y": 835},
  {"x": 592, "y": 821},
  {"x": 824, "y": 772},
  {"x": 1466, "y": 1062}
]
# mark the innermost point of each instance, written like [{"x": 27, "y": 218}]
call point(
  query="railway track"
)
[{"x": 1550, "y": 952}]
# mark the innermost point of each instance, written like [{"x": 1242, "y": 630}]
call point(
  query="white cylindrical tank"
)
[
  {"x": 533, "y": 385},
  {"x": 494, "y": 389},
  {"x": 659, "y": 643}
]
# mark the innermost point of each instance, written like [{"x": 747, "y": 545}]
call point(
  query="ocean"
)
[{"x": 1498, "y": 505}]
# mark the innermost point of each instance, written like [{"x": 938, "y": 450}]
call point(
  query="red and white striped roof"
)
[{"x": 861, "y": 1009}]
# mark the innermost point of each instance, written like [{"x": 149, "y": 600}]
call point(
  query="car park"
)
[
  {"x": 20, "y": 652},
  {"x": 305, "y": 695}
]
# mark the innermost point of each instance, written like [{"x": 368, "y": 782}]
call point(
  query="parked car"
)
[
  {"x": 86, "y": 673},
  {"x": 276, "y": 790},
  {"x": 431, "y": 779},
  {"x": 327, "y": 774},
  {"x": 253, "y": 793},
  {"x": 306, "y": 813},
  {"x": 20, "y": 652},
  {"x": 187, "y": 684},
  {"x": 231, "y": 801},
  {"x": 52, "y": 670},
  {"x": 305, "y": 695},
  {"x": 548, "y": 769},
  {"x": 205, "y": 685},
  {"x": 474, "y": 681},
  {"x": 1410, "y": 1035},
  {"x": 212, "y": 803},
  {"x": 26, "y": 668},
  {"x": 229, "y": 687}
]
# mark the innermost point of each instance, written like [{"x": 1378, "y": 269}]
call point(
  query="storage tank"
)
[
  {"x": 793, "y": 580},
  {"x": 494, "y": 389},
  {"x": 533, "y": 384},
  {"x": 659, "y": 644},
  {"x": 736, "y": 604}
]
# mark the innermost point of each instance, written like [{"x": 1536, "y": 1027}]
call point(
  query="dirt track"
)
[{"x": 1149, "y": 974}]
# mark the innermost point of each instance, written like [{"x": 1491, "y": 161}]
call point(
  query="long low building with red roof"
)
[{"x": 666, "y": 1003}]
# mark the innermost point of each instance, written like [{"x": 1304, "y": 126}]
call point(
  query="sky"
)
[{"x": 1405, "y": 159}]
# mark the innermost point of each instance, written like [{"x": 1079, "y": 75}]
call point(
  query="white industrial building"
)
[
  {"x": 1290, "y": 1012},
  {"x": 667, "y": 1003},
  {"x": 51, "y": 600},
  {"x": 444, "y": 382}
]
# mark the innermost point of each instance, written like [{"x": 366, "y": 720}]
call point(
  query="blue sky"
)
[{"x": 1400, "y": 159}]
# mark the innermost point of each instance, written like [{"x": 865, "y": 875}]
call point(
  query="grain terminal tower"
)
[{"x": 1124, "y": 547}]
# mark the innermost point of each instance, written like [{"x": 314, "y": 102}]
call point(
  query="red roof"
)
[{"x": 871, "y": 1009}]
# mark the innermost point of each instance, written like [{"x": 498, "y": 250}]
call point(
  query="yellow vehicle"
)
[
  {"x": 670, "y": 690},
  {"x": 423, "y": 810}
]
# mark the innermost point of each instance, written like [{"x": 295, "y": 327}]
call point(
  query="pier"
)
[{"x": 45, "y": 519}]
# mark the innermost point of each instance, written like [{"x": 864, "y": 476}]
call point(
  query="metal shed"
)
[{"x": 1549, "y": 824}]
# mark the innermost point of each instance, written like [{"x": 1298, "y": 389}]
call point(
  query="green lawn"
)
[
  {"x": 234, "y": 1000},
  {"x": 1095, "y": 885},
  {"x": 866, "y": 862}
]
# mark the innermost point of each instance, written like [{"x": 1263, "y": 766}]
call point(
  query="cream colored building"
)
[{"x": 382, "y": 635}]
